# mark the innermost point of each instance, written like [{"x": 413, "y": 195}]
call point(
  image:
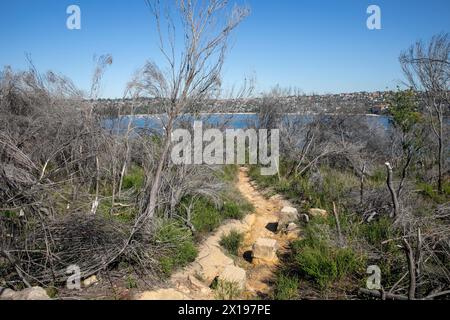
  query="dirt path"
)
[{"x": 193, "y": 282}]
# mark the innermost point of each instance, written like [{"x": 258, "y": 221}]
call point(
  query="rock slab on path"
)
[
  {"x": 234, "y": 275},
  {"x": 287, "y": 215},
  {"x": 162, "y": 294},
  {"x": 265, "y": 250}
]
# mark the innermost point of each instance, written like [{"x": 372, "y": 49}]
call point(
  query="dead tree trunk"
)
[
  {"x": 412, "y": 270},
  {"x": 361, "y": 188},
  {"x": 390, "y": 185}
]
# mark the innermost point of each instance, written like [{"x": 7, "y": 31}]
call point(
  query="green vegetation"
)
[
  {"x": 286, "y": 287},
  {"x": 319, "y": 262},
  {"x": 180, "y": 243},
  {"x": 206, "y": 216},
  {"x": 131, "y": 282},
  {"x": 134, "y": 179},
  {"x": 404, "y": 110},
  {"x": 226, "y": 290},
  {"x": 232, "y": 242},
  {"x": 315, "y": 259},
  {"x": 431, "y": 193}
]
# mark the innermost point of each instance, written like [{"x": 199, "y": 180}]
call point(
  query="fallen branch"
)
[{"x": 380, "y": 294}]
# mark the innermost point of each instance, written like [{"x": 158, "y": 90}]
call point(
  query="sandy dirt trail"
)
[{"x": 193, "y": 283}]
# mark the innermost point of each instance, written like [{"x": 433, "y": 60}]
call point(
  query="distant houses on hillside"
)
[{"x": 343, "y": 103}]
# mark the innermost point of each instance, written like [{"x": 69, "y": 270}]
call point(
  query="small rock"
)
[
  {"x": 318, "y": 213},
  {"x": 162, "y": 294},
  {"x": 90, "y": 281},
  {"x": 35, "y": 293},
  {"x": 289, "y": 211},
  {"x": 234, "y": 275},
  {"x": 291, "y": 227},
  {"x": 265, "y": 250},
  {"x": 293, "y": 231},
  {"x": 287, "y": 216},
  {"x": 211, "y": 267}
]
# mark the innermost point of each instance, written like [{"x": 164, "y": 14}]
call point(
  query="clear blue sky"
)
[{"x": 318, "y": 46}]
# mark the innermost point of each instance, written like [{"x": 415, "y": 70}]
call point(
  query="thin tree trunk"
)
[
  {"x": 390, "y": 185},
  {"x": 153, "y": 198},
  {"x": 361, "y": 187},
  {"x": 412, "y": 270},
  {"x": 441, "y": 156}
]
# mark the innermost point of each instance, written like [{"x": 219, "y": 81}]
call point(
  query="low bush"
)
[
  {"x": 134, "y": 179},
  {"x": 317, "y": 260},
  {"x": 206, "y": 217},
  {"x": 377, "y": 231},
  {"x": 226, "y": 290},
  {"x": 180, "y": 243},
  {"x": 286, "y": 288},
  {"x": 232, "y": 242}
]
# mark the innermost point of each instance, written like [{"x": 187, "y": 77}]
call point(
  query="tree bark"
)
[
  {"x": 379, "y": 294},
  {"x": 412, "y": 270},
  {"x": 390, "y": 185},
  {"x": 153, "y": 198}
]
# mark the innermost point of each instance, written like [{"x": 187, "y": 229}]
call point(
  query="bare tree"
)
[
  {"x": 192, "y": 74},
  {"x": 427, "y": 69}
]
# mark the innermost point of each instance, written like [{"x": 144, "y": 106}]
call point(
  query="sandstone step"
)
[
  {"x": 236, "y": 275},
  {"x": 287, "y": 215},
  {"x": 265, "y": 250}
]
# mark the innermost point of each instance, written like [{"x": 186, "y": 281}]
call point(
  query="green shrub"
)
[
  {"x": 131, "y": 282},
  {"x": 232, "y": 211},
  {"x": 232, "y": 242},
  {"x": 377, "y": 231},
  {"x": 182, "y": 249},
  {"x": 321, "y": 263},
  {"x": 447, "y": 189},
  {"x": 226, "y": 290},
  {"x": 286, "y": 288},
  {"x": 378, "y": 177},
  {"x": 206, "y": 217},
  {"x": 430, "y": 192},
  {"x": 230, "y": 173},
  {"x": 134, "y": 179},
  {"x": 317, "y": 265},
  {"x": 8, "y": 214},
  {"x": 347, "y": 262}
]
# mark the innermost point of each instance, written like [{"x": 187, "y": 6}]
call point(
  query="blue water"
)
[{"x": 226, "y": 121}]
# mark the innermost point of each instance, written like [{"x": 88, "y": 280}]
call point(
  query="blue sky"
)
[{"x": 320, "y": 46}]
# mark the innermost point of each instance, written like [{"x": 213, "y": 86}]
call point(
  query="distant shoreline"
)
[{"x": 254, "y": 114}]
